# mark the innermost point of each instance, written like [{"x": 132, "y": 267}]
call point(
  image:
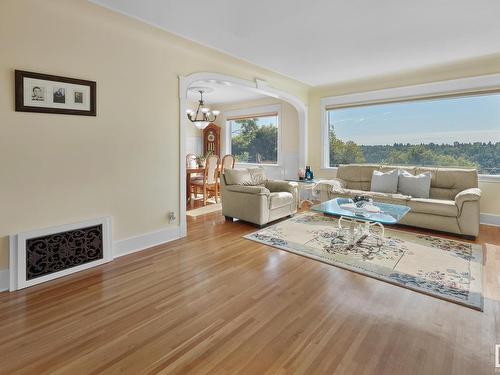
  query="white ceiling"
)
[
  {"x": 326, "y": 41},
  {"x": 222, "y": 94}
]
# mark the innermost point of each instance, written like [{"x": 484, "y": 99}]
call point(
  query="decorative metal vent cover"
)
[{"x": 55, "y": 252}]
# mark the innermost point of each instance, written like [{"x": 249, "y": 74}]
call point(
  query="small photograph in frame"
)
[
  {"x": 45, "y": 93},
  {"x": 37, "y": 93},
  {"x": 59, "y": 95},
  {"x": 78, "y": 97}
]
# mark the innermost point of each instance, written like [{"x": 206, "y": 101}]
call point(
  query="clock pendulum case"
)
[{"x": 211, "y": 139}]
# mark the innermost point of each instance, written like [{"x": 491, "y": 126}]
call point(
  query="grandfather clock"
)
[{"x": 211, "y": 139}]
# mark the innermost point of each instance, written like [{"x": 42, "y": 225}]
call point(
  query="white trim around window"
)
[
  {"x": 428, "y": 90},
  {"x": 275, "y": 108}
]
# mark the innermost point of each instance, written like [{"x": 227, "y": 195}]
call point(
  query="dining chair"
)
[
  {"x": 208, "y": 183},
  {"x": 228, "y": 162}
]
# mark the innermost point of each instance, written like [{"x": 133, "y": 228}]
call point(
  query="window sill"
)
[
  {"x": 489, "y": 178},
  {"x": 328, "y": 169},
  {"x": 258, "y": 165}
]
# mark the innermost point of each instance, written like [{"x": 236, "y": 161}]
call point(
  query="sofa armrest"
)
[
  {"x": 331, "y": 185},
  {"x": 248, "y": 189},
  {"x": 468, "y": 195},
  {"x": 279, "y": 185}
]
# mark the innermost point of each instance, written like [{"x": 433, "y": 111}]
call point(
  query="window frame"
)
[
  {"x": 249, "y": 112},
  {"x": 436, "y": 90}
]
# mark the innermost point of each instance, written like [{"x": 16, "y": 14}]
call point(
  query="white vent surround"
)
[{"x": 17, "y": 261}]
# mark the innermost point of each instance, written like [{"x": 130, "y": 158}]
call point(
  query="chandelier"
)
[{"x": 202, "y": 116}]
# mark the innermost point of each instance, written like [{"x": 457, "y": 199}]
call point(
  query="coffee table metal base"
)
[{"x": 359, "y": 230}]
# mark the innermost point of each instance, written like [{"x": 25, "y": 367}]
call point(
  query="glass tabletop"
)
[
  {"x": 302, "y": 181},
  {"x": 389, "y": 213}
]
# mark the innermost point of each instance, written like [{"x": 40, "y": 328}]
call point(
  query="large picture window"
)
[
  {"x": 448, "y": 132},
  {"x": 254, "y": 138}
]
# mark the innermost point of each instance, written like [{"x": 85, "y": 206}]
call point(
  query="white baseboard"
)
[
  {"x": 490, "y": 219},
  {"x": 144, "y": 241},
  {"x": 122, "y": 247},
  {"x": 4, "y": 280}
]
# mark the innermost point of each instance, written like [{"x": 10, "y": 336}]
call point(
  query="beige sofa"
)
[
  {"x": 453, "y": 205},
  {"x": 248, "y": 195}
]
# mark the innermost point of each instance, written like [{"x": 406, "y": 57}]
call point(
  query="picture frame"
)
[{"x": 46, "y": 93}]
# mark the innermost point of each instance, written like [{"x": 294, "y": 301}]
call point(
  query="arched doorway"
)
[{"x": 258, "y": 86}]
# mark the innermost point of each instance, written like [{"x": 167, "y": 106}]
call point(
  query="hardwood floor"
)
[{"x": 216, "y": 303}]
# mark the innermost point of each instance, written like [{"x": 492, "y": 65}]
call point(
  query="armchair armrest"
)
[
  {"x": 248, "y": 189},
  {"x": 278, "y": 185},
  {"x": 468, "y": 195}
]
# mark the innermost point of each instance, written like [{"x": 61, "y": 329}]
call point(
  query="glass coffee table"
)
[{"x": 362, "y": 223}]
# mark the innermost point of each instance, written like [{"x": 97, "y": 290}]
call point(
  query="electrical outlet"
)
[{"x": 171, "y": 216}]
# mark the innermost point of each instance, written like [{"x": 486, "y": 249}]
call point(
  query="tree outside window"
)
[{"x": 255, "y": 140}]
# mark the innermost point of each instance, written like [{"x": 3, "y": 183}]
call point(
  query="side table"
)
[{"x": 303, "y": 185}]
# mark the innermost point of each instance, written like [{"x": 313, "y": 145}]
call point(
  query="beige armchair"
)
[{"x": 248, "y": 195}]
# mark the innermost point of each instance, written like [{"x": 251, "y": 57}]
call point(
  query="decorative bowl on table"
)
[{"x": 360, "y": 208}]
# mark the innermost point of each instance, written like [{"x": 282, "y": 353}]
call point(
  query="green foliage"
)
[
  {"x": 254, "y": 143},
  {"x": 422, "y": 155},
  {"x": 344, "y": 152},
  {"x": 481, "y": 155}
]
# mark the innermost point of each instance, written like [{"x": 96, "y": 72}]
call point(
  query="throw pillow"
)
[
  {"x": 237, "y": 177},
  {"x": 415, "y": 186},
  {"x": 385, "y": 182}
]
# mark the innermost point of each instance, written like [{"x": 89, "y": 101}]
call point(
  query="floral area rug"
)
[{"x": 446, "y": 269}]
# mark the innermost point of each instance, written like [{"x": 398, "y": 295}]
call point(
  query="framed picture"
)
[{"x": 37, "y": 92}]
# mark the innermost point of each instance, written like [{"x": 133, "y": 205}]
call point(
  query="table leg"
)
[{"x": 360, "y": 230}]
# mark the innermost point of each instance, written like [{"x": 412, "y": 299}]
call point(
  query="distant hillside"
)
[{"x": 484, "y": 156}]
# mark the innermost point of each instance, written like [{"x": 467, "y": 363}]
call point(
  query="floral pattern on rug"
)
[
  {"x": 451, "y": 283},
  {"x": 460, "y": 249},
  {"x": 447, "y": 269}
]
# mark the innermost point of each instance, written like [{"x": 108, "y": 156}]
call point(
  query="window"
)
[
  {"x": 254, "y": 136},
  {"x": 449, "y": 132}
]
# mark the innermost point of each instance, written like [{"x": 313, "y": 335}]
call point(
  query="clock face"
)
[{"x": 211, "y": 137}]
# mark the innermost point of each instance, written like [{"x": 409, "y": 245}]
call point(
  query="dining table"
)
[{"x": 190, "y": 171}]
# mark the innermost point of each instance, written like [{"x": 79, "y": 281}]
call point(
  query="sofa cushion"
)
[
  {"x": 446, "y": 183},
  {"x": 415, "y": 186},
  {"x": 433, "y": 206},
  {"x": 356, "y": 176},
  {"x": 258, "y": 175},
  {"x": 238, "y": 176},
  {"x": 280, "y": 199},
  {"x": 385, "y": 182}
]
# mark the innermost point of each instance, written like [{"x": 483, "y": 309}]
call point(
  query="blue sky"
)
[{"x": 466, "y": 119}]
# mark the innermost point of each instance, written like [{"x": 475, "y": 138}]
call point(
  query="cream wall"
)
[
  {"x": 193, "y": 136},
  {"x": 490, "y": 202},
  {"x": 57, "y": 169}
]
